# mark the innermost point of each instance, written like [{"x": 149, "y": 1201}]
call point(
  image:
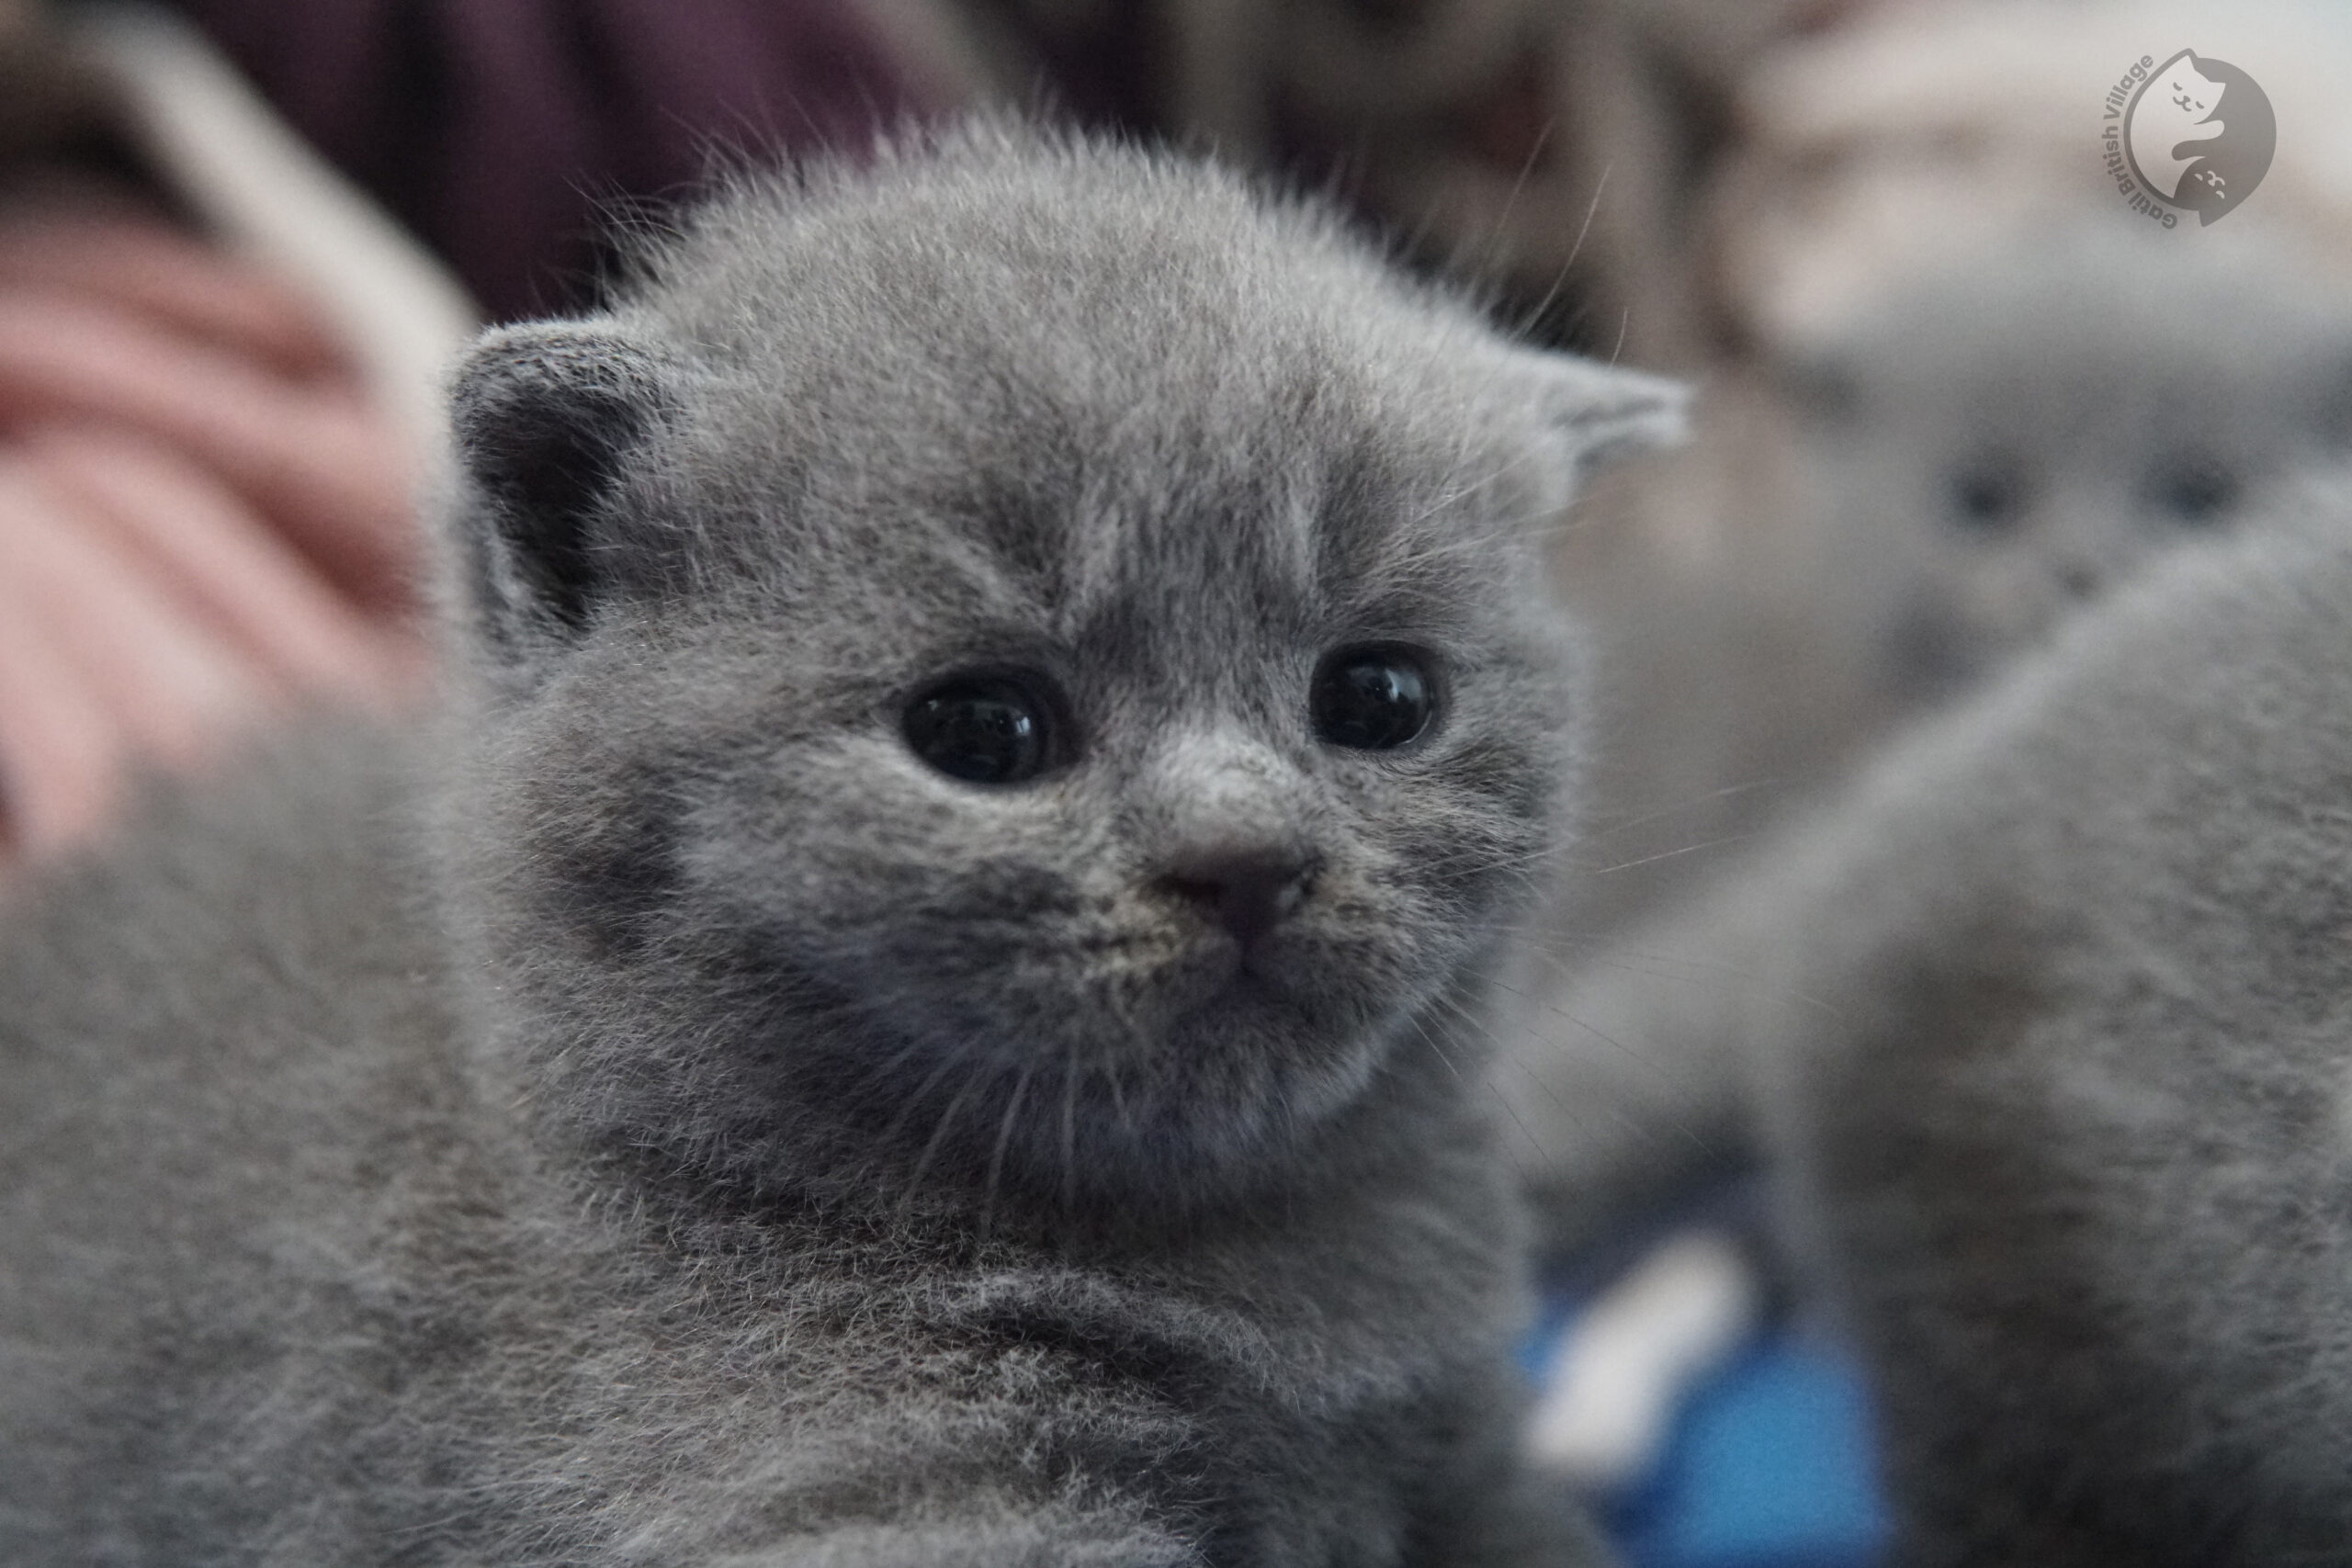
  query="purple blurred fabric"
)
[{"x": 499, "y": 129}]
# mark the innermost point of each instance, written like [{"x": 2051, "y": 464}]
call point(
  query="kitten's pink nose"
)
[{"x": 1248, "y": 891}]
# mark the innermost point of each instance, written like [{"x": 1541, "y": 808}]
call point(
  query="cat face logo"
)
[{"x": 2198, "y": 134}]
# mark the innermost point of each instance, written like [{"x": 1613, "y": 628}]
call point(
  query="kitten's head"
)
[
  {"x": 1031, "y": 662},
  {"x": 2003, "y": 446}
]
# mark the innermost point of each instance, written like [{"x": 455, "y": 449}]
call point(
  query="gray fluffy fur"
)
[
  {"x": 658, "y": 1119},
  {"x": 2052, "y": 1016},
  {"x": 2120, "y": 398}
]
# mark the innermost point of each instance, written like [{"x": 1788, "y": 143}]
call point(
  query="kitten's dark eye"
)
[
  {"x": 1987, "y": 497},
  {"x": 1373, "y": 699},
  {"x": 2194, "y": 493},
  {"x": 990, "y": 730}
]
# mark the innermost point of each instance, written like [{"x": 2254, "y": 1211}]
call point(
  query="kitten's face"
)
[
  {"x": 2006, "y": 461},
  {"x": 1100, "y": 719},
  {"x": 2022, "y": 526},
  {"x": 1066, "y": 832}
]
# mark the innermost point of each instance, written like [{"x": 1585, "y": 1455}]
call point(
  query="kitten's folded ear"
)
[
  {"x": 1601, "y": 413},
  {"x": 545, "y": 418}
]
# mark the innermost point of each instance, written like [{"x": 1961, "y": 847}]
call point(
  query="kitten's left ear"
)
[
  {"x": 548, "y": 416},
  {"x": 1600, "y": 414}
]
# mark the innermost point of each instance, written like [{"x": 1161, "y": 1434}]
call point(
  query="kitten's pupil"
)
[
  {"x": 2194, "y": 493},
  {"x": 1372, "y": 699},
  {"x": 980, "y": 729},
  {"x": 1987, "y": 498}
]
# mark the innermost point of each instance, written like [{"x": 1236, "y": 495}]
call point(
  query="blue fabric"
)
[
  {"x": 1770, "y": 1461},
  {"x": 1770, "y": 1466}
]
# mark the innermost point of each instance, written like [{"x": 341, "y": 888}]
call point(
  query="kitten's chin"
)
[
  {"x": 1185, "y": 1071},
  {"x": 1270, "y": 1042},
  {"x": 1218, "y": 975},
  {"x": 1239, "y": 1010}
]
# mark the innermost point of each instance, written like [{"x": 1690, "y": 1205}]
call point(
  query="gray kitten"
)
[
  {"x": 1995, "y": 449},
  {"x": 2001, "y": 443},
  {"x": 2052, "y": 1014},
  {"x": 1980, "y": 453},
  {"x": 918, "y": 1009}
]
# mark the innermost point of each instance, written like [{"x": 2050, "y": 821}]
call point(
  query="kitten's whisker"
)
[
  {"x": 1461, "y": 487},
  {"x": 1003, "y": 1141},
  {"x": 1533, "y": 318},
  {"x": 1500, "y": 234},
  {"x": 1430, "y": 1040},
  {"x": 881, "y": 1073},
  {"x": 932, "y": 1146},
  {"x": 1604, "y": 955},
  {"x": 1512, "y": 861},
  {"x": 1628, "y": 1052},
  {"x": 1677, "y": 807},
  {"x": 1486, "y": 1079},
  {"x": 1669, "y": 854},
  {"x": 1069, "y": 1126},
  {"x": 947, "y": 1063},
  {"x": 1488, "y": 475},
  {"x": 1118, "y": 1089},
  {"x": 1575, "y": 1116}
]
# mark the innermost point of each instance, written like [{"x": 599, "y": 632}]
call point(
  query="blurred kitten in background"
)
[
  {"x": 2001, "y": 443},
  {"x": 1979, "y": 453},
  {"x": 1982, "y": 453}
]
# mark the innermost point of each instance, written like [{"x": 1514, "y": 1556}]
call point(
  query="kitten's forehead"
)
[
  {"x": 1217, "y": 516},
  {"x": 1084, "y": 412}
]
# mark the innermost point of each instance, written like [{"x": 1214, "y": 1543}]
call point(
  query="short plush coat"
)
[{"x": 654, "y": 1117}]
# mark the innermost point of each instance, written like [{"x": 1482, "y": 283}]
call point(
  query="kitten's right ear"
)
[
  {"x": 545, "y": 415},
  {"x": 1601, "y": 413}
]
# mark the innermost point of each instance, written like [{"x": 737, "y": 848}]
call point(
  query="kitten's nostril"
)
[
  {"x": 1248, "y": 892},
  {"x": 2079, "y": 581}
]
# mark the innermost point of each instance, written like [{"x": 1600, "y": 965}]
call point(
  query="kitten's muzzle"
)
[{"x": 1248, "y": 891}]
